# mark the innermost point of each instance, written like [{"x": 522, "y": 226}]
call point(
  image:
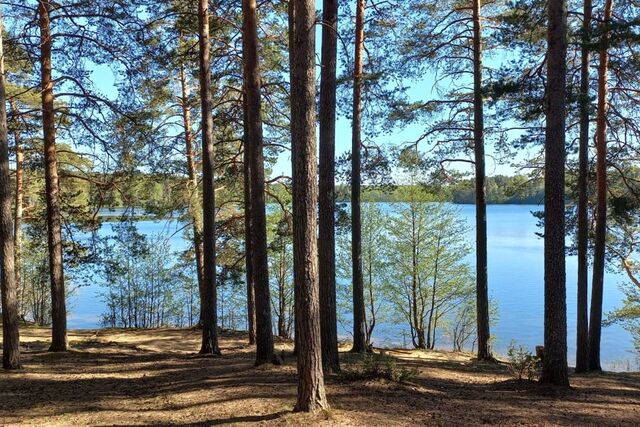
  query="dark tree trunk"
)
[
  {"x": 597, "y": 283},
  {"x": 249, "y": 278},
  {"x": 10, "y": 331},
  {"x": 311, "y": 392},
  {"x": 52, "y": 188},
  {"x": 359, "y": 322},
  {"x": 210, "y": 320},
  {"x": 482, "y": 291},
  {"x": 291, "y": 12},
  {"x": 554, "y": 365},
  {"x": 264, "y": 335},
  {"x": 192, "y": 186},
  {"x": 19, "y": 206},
  {"x": 326, "y": 197},
  {"x": 582, "y": 325}
]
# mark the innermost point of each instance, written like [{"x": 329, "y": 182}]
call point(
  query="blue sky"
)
[{"x": 420, "y": 90}]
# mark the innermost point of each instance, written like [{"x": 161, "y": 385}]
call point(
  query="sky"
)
[{"x": 105, "y": 82}]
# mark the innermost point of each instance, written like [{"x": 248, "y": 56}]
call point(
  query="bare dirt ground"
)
[{"x": 114, "y": 377}]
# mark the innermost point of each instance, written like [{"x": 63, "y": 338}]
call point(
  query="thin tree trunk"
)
[
  {"x": 554, "y": 365},
  {"x": 10, "y": 331},
  {"x": 597, "y": 283},
  {"x": 264, "y": 334},
  {"x": 326, "y": 197},
  {"x": 52, "y": 187},
  {"x": 311, "y": 391},
  {"x": 19, "y": 207},
  {"x": 282, "y": 303},
  {"x": 582, "y": 324},
  {"x": 248, "y": 251},
  {"x": 482, "y": 291},
  {"x": 359, "y": 323},
  {"x": 210, "y": 321},
  {"x": 192, "y": 185}
]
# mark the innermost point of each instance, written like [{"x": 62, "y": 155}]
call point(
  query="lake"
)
[{"x": 515, "y": 283}]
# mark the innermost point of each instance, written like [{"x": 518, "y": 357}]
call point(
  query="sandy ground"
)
[{"x": 122, "y": 378}]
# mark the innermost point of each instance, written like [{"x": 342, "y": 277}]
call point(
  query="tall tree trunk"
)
[
  {"x": 311, "y": 391},
  {"x": 10, "y": 331},
  {"x": 554, "y": 365},
  {"x": 210, "y": 321},
  {"x": 482, "y": 291},
  {"x": 19, "y": 206},
  {"x": 326, "y": 197},
  {"x": 248, "y": 251},
  {"x": 52, "y": 187},
  {"x": 292, "y": 75},
  {"x": 597, "y": 283},
  {"x": 192, "y": 186},
  {"x": 582, "y": 325},
  {"x": 251, "y": 68},
  {"x": 359, "y": 323}
]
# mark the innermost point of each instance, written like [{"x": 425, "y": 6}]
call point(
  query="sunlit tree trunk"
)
[
  {"x": 582, "y": 324},
  {"x": 210, "y": 321},
  {"x": 326, "y": 197},
  {"x": 597, "y": 286},
  {"x": 10, "y": 331},
  {"x": 52, "y": 187},
  {"x": 194, "y": 196},
  {"x": 359, "y": 322},
  {"x": 554, "y": 365},
  {"x": 18, "y": 211},
  {"x": 260, "y": 266},
  {"x": 311, "y": 391}
]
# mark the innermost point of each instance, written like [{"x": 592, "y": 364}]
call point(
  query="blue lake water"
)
[{"x": 515, "y": 282}]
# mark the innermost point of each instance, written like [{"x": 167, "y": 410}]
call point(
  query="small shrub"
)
[
  {"x": 522, "y": 363},
  {"x": 375, "y": 366}
]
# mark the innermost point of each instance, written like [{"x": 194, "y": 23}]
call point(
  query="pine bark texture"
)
[
  {"x": 582, "y": 323},
  {"x": 18, "y": 212},
  {"x": 249, "y": 279},
  {"x": 597, "y": 283},
  {"x": 554, "y": 365},
  {"x": 359, "y": 321},
  {"x": 10, "y": 330},
  {"x": 311, "y": 391},
  {"x": 210, "y": 321},
  {"x": 52, "y": 187},
  {"x": 482, "y": 291},
  {"x": 326, "y": 197},
  {"x": 260, "y": 266}
]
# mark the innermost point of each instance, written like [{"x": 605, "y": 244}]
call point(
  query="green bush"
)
[{"x": 522, "y": 363}]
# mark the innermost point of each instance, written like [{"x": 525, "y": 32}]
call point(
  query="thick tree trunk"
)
[
  {"x": 19, "y": 207},
  {"x": 192, "y": 185},
  {"x": 326, "y": 197},
  {"x": 554, "y": 365},
  {"x": 582, "y": 325},
  {"x": 10, "y": 331},
  {"x": 52, "y": 187},
  {"x": 359, "y": 322},
  {"x": 252, "y": 83},
  {"x": 291, "y": 8},
  {"x": 210, "y": 320},
  {"x": 248, "y": 251},
  {"x": 597, "y": 283},
  {"x": 482, "y": 291},
  {"x": 311, "y": 391}
]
